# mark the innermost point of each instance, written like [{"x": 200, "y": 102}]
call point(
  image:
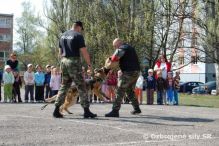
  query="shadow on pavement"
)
[
  {"x": 142, "y": 119},
  {"x": 192, "y": 105}
]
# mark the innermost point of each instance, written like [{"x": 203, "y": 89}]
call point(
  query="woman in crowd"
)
[{"x": 13, "y": 62}]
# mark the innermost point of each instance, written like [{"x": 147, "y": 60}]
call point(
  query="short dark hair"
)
[{"x": 78, "y": 23}]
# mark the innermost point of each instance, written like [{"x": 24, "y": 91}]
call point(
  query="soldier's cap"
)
[{"x": 79, "y": 23}]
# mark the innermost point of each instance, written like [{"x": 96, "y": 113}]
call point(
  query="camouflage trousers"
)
[
  {"x": 72, "y": 71},
  {"x": 126, "y": 86}
]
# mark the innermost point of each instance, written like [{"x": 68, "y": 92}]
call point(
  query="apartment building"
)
[{"x": 6, "y": 37}]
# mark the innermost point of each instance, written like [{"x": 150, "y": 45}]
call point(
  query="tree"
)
[
  {"x": 150, "y": 27},
  {"x": 211, "y": 39},
  {"x": 29, "y": 34},
  {"x": 27, "y": 31}
]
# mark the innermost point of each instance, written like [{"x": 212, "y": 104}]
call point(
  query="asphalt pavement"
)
[
  {"x": 28, "y": 125},
  {"x": 25, "y": 124}
]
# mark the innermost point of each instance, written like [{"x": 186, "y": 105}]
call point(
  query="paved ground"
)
[{"x": 27, "y": 125}]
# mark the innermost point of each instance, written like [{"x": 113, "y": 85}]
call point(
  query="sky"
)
[{"x": 14, "y": 7}]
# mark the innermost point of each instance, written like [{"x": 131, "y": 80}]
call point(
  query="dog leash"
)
[{"x": 43, "y": 107}]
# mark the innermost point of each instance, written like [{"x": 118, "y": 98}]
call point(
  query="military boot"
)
[
  {"x": 88, "y": 113},
  {"x": 136, "y": 111},
  {"x": 113, "y": 113},
  {"x": 56, "y": 113}
]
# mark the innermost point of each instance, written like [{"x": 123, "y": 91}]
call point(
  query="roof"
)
[{"x": 6, "y": 15}]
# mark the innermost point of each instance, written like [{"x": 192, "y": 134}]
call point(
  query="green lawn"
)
[
  {"x": 199, "y": 100},
  {"x": 194, "y": 100}
]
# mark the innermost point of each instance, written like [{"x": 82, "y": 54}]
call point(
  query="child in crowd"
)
[
  {"x": 139, "y": 88},
  {"x": 16, "y": 87},
  {"x": 8, "y": 79},
  {"x": 161, "y": 87},
  {"x": 170, "y": 88},
  {"x": 111, "y": 84},
  {"x": 176, "y": 87},
  {"x": 88, "y": 77},
  {"x": 39, "y": 84},
  {"x": 29, "y": 81},
  {"x": 151, "y": 84},
  {"x": 47, "y": 81},
  {"x": 55, "y": 81}
]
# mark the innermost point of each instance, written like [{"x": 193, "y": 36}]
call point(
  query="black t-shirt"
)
[
  {"x": 129, "y": 60},
  {"x": 13, "y": 65},
  {"x": 70, "y": 43}
]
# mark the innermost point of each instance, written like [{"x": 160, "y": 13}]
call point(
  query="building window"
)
[
  {"x": 5, "y": 22},
  {"x": 1, "y": 37},
  {"x": 2, "y": 21},
  {"x": 1, "y": 54},
  {"x": 8, "y": 22},
  {"x": 194, "y": 59},
  {"x": 214, "y": 75},
  {"x": 181, "y": 55},
  {"x": 5, "y": 37},
  {"x": 181, "y": 60},
  {"x": 4, "y": 54}
]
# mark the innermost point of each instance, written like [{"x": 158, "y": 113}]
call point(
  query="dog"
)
[
  {"x": 93, "y": 86},
  {"x": 70, "y": 99}
]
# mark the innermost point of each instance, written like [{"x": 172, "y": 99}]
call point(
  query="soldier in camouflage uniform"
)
[
  {"x": 71, "y": 44},
  {"x": 130, "y": 67}
]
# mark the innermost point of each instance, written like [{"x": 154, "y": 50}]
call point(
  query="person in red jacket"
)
[{"x": 164, "y": 67}]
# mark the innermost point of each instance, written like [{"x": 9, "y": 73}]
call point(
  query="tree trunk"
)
[{"x": 217, "y": 76}]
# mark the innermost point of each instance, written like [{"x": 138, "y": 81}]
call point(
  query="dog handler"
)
[
  {"x": 130, "y": 67},
  {"x": 71, "y": 44}
]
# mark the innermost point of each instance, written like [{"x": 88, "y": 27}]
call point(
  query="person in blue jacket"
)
[
  {"x": 47, "y": 81},
  {"x": 39, "y": 84}
]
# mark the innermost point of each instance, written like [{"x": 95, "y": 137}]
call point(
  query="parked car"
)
[
  {"x": 206, "y": 88},
  {"x": 188, "y": 86}
]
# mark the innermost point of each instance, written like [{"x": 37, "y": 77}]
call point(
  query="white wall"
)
[{"x": 186, "y": 77}]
